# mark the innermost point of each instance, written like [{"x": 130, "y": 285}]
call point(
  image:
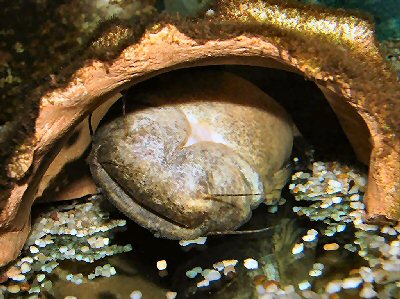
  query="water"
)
[
  {"x": 369, "y": 253},
  {"x": 315, "y": 224}
]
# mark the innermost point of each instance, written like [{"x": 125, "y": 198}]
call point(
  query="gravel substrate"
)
[
  {"x": 328, "y": 197},
  {"x": 80, "y": 232}
]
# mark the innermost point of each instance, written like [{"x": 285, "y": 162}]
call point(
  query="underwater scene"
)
[{"x": 200, "y": 149}]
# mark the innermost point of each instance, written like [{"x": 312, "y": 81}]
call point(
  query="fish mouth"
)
[{"x": 160, "y": 225}]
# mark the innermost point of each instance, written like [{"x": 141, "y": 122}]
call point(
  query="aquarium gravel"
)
[
  {"x": 328, "y": 195},
  {"x": 79, "y": 232}
]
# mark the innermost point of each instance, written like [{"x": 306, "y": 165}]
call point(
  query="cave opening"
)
[{"x": 321, "y": 130}]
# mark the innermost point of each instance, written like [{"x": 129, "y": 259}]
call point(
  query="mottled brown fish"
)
[{"x": 209, "y": 149}]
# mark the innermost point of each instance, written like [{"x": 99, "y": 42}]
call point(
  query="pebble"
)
[
  {"x": 48, "y": 268},
  {"x": 337, "y": 199},
  {"x": 18, "y": 277},
  {"x": 307, "y": 238},
  {"x": 162, "y": 265},
  {"x": 27, "y": 259},
  {"x": 318, "y": 266},
  {"x": 212, "y": 275},
  {"x": 85, "y": 249},
  {"x": 366, "y": 274},
  {"x": 250, "y": 264},
  {"x": 311, "y": 235},
  {"x": 315, "y": 272},
  {"x": 340, "y": 228},
  {"x": 368, "y": 292},
  {"x": 136, "y": 295},
  {"x": 331, "y": 246},
  {"x": 218, "y": 266},
  {"x": 229, "y": 269},
  {"x": 334, "y": 187},
  {"x": 228, "y": 263},
  {"x": 33, "y": 249},
  {"x": 355, "y": 197},
  {"x": 352, "y": 282},
  {"x": 193, "y": 272},
  {"x": 203, "y": 283},
  {"x": 260, "y": 290},
  {"x": 394, "y": 250},
  {"x": 333, "y": 286},
  {"x": 77, "y": 278},
  {"x": 171, "y": 295},
  {"x": 43, "y": 242},
  {"x": 304, "y": 285},
  {"x": 326, "y": 204},
  {"x": 14, "y": 288},
  {"x": 312, "y": 232},
  {"x": 198, "y": 241},
  {"x": 296, "y": 209},
  {"x": 98, "y": 242},
  {"x": 357, "y": 205},
  {"x": 106, "y": 271},
  {"x": 391, "y": 265},
  {"x": 298, "y": 248},
  {"x": 63, "y": 249},
  {"x": 389, "y": 231},
  {"x": 25, "y": 268},
  {"x": 271, "y": 287}
]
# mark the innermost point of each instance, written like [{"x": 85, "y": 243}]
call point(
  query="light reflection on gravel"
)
[{"x": 328, "y": 197}]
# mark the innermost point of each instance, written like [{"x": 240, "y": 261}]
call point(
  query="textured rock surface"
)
[{"x": 336, "y": 50}]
